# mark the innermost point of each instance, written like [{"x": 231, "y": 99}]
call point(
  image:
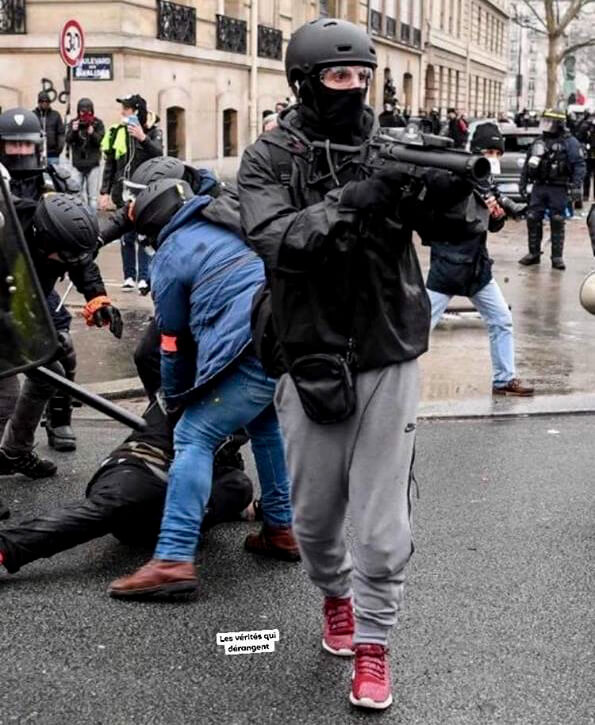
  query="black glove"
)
[
  {"x": 382, "y": 190},
  {"x": 109, "y": 315},
  {"x": 446, "y": 189},
  {"x": 576, "y": 194}
]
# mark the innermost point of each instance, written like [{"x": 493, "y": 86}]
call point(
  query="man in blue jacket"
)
[{"x": 203, "y": 279}]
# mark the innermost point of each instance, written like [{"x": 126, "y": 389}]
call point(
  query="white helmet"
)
[{"x": 586, "y": 293}]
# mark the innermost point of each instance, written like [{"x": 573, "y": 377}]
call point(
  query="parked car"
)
[{"x": 516, "y": 145}]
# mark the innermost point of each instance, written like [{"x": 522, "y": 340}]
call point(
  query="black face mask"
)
[{"x": 336, "y": 114}]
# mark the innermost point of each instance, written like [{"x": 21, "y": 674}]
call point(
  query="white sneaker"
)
[
  {"x": 143, "y": 286},
  {"x": 128, "y": 284}
]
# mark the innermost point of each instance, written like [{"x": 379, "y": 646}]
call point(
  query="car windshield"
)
[{"x": 518, "y": 143}]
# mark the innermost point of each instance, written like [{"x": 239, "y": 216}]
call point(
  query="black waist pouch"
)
[{"x": 326, "y": 387}]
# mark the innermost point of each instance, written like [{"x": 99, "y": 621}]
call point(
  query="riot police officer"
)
[
  {"x": 555, "y": 161},
  {"x": 21, "y": 142},
  {"x": 21, "y": 152},
  {"x": 62, "y": 237}
]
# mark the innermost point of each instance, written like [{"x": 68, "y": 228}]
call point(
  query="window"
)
[
  {"x": 230, "y": 132},
  {"x": 176, "y": 132},
  {"x": 176, "y": 23},
  {"x": 375, "y": 19},
  {"x": 12, "y": 17},
  {"x": 390, "y": 11}
]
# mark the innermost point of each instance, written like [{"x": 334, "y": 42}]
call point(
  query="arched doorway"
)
[
  {"x": 176, "y": 132},
  {"x": 430, "y": 89},
  {"x": 230, "y": 132},
  {"x": 407, "y": 90}
]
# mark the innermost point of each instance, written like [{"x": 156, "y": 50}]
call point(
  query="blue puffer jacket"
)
[{"x": 203, "y": 279}]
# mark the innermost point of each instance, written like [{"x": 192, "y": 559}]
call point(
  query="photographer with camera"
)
[
  {"x": 84, "y": 135},
  {"x": 460, "y": 263},
  {"x": 343, "y": 321},
  {"x": 135, "y": 138}
]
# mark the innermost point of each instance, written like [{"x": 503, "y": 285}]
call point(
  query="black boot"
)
[
  {"x": 29, "y": 464},
  {"x": 535, "y": 233},
  {"x": 57, "y": 424},
  {"x": 557, "y": 229}
]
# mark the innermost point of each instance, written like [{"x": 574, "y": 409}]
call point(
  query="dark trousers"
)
[
  {"x": 147, "y": 358},
  {"x": 126, "y": 500},
  {"x": 554, "y": 199},
  {"x": 130, "y": 248},
  {"x": 547, "y": 196},
  {"x": 589, "y": 178}
]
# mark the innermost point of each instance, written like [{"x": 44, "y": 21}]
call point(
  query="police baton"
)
[{"x": 91, "y": 399}]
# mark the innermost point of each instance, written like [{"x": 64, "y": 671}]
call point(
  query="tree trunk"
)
[{"x": 552, "y": 72}]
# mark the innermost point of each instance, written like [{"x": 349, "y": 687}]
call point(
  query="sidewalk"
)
[{"x": 555, "y": 337}]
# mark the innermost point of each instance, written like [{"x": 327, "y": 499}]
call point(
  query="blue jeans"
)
[
  {"x": 492, "y": 307},
  {"x": 242, "y": 399},
  {"x": 129, "y": 246}
]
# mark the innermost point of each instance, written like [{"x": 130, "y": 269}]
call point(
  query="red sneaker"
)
[
  {"x": 338, "y": 626},
  {"x": 370, "y": 685}
]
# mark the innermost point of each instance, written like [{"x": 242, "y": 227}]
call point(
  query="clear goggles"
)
[
  {"x": 344, "y": 77},
  {"x": 131, "y": 190}
]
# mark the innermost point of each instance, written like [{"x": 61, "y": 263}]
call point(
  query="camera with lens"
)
[{"x": 512, "y": 209}]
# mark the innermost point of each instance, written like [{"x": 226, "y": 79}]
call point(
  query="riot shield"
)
[{"x": 27, "y": 336}]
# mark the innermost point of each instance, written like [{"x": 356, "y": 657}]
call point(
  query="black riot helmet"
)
[
  {"x": 65, "y": 226},
  {"x": 160, "y": 167},
  {"x": 157, "y": 204},
  {"x": 327, "y": 42},
  {"x": 19, "y": 124},
  {"x": 167, "y": 167}
]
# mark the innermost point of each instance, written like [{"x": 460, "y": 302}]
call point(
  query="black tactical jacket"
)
[
  {"x": 459, "y": 260},
  {"x": 85, "y": 147},
  {"x": 334, "y": 273},
  {"x": 53, "y": 127}
]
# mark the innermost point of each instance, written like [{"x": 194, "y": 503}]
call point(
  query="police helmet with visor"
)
[{"x": 21, "y": 138}]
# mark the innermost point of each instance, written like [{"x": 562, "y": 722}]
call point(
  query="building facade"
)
[
  {"x": 527, "y": 73},
  {"x": 211, "y": 69},
  {"x": 465, "y": 55}
]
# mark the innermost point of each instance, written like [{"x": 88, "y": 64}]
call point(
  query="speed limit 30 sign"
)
[{"x": 72, "y": 43}]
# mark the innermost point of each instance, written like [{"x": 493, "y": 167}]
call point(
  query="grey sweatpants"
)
[{"x": 364, "y": 462}]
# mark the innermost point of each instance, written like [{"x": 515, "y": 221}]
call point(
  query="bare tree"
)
[{"x": 552, "y": 18}]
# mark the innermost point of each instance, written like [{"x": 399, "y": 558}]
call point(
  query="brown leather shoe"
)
[
  {"x": 156, "y": 577},
  {"x": 275, "y": 541},
  {"x": 514, "y": 387}
]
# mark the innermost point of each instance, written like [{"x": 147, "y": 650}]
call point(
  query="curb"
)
[
  {"x": 470, "y": 409},
  {"x": 119, "y": 389}
]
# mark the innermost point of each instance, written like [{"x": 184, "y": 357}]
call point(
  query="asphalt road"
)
[{"x": 497, "y": 625}]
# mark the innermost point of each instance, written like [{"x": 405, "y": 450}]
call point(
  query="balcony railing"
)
[
  {"x": 12, "y": 17},
  {"x": 176, "y": 23},
  {"x": 270, "y": 42},
  {"x": 231, "y": 34}
]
